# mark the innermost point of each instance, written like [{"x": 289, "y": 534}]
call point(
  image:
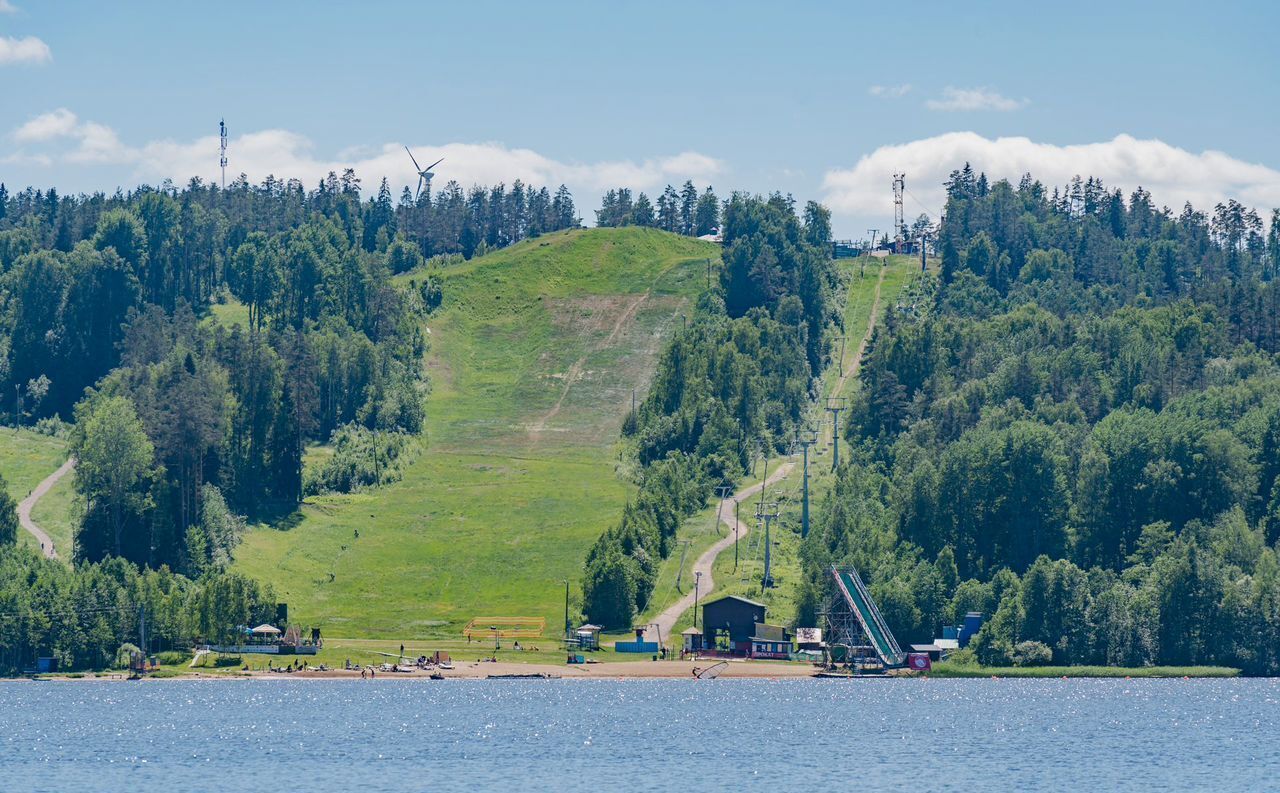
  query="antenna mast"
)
[
  {"x": 222, "y": 134},
  {"x": 899, "y": 185}
]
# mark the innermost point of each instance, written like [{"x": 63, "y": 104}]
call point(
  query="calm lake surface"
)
[{"x": 640, "y": 735}]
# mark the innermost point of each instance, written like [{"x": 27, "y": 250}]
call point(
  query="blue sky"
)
[{"x": 824, "y": 102}]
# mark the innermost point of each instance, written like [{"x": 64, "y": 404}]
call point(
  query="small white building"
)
[{"x": 692, "y": 639}]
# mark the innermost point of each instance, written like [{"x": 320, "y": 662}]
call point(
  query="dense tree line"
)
[
  {"x": 739, "y": 379},
  {"x": 82, "y": 616},
  {"x": 181, "y": 424},
  {"x": 685, "y": 212},
  {"x": 1077, "y": 433}
]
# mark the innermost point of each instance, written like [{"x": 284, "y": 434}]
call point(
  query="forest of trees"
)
[
  {"x": 734, "y": 382},
  {"x": 84, "y": 616},
  {"x": 685, "y": 212},
  {"x": 183, "y": 425},
  {"x": 1078, "y": 434}
]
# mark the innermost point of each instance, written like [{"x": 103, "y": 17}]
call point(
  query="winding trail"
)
[
  {"x": 666, "y": 621},
  {"x": 27, "y": 504}
]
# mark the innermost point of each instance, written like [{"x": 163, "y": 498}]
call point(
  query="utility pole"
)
[
  {"x": 764, "y": 479},
  {"x": 735, "y": 534},
  {"x": 566, "y": 612},
  {"x": 724, "y": 491},
  {"x": 834, "y": 406},
  {"x": 708, "y": 274},
  {"x": 684, "y": 546},
  {"x": 142, "y": 630},
  {"x": 870, "y": 248},
  {"x": 767, "y": 513},
  {"x": 807, "y": 439},
  {"x": 697, "y": 579}
]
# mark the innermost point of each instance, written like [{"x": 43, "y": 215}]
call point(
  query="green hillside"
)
[
  {"x": 532, "y": 359},
  {"x": 890, "y": 282}
]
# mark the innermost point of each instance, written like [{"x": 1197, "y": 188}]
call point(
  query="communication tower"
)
[{"x": 222, "y": 135}]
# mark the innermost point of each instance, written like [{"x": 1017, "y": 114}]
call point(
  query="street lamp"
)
[
  {"x": 494, "y": 628},
  {"x": 697, "y": 579}
]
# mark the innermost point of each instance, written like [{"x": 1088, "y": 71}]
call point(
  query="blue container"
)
[
  {"x": 950, "y": 632},
  {"x": 636, "y": 647},
  {"x": 972, "y": 624}
]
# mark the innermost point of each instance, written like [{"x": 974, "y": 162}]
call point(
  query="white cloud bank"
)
[
  {"x": 286, "y": 154},
  {"x": 7, "y": 8},
  {"x": 24, "y": 50},
  {"x": 970, "y": 99},
  {"x": 1171, "y": 174}
]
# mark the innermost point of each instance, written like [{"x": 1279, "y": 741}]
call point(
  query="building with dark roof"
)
[{"x": 729, "y": 623}]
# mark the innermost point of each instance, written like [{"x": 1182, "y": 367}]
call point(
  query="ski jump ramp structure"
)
[{"x": 851, "y": 614}]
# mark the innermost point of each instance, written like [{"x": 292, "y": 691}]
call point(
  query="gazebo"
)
[{"x": 265, "y": 634}]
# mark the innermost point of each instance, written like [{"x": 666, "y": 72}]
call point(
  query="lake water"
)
[{"x": 972, "y": 735}]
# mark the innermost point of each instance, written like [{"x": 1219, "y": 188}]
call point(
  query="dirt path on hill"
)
[
  {"x": 27, "y": 504},
  {"x": 575, "y": 371},
  {"x": 669, "y": 616},
  {"x": 856, "y": 366}
]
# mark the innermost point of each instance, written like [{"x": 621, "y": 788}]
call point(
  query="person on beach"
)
[{"x": 695, "y": 671}]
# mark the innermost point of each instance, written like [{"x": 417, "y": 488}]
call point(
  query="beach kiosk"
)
[
  {"x": 692, "y": 640},
  {"x": 588, "y": 637}
]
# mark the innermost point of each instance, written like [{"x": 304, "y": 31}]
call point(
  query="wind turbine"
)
[{"x": 424, "y": 174}]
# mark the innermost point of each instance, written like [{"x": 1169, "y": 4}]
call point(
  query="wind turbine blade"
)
[
  {"x": 415, "y": 159},
  {"x": 418, "y": 192},
  {"x": 434, "y": 164}
]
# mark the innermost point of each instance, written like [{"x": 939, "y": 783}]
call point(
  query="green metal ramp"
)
[{"x": 850, "y": 586}]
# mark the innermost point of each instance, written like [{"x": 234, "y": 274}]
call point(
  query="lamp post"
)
[
  {"x": 697, "y": 579},
  {"x": 494, "y": 628}
]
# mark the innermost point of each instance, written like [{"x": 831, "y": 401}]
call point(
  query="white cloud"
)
[
  {"x": 287, "y": 154},
  {"x": 954, "y": 99},
  {"x": 47, "y": 126},
  {"x": 890, "y": 91},
  {"x": 25, "y": 50},
  {"x": 95, "y": 143},
  {"x": 7, "y": 8},
  {"x": 1171, "y": 174}
]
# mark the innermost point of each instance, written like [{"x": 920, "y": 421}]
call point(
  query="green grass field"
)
[
  {"x": 533, "y": 357},
  {"x": 56, "y": 514},
  {"x": 26, "y": 458}
]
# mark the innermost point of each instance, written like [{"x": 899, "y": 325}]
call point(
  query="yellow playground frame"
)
[{"x": 506, "y": 627}]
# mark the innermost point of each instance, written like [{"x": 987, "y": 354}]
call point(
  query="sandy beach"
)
[{"x": 622, "y": 670}]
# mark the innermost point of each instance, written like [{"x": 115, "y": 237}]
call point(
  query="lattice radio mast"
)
[
  {"x": 899, "y": 185},
  {"x": 222, "y": 135}
]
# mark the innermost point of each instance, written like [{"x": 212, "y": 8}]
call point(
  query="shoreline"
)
[{"x": 662, "y": 670}]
